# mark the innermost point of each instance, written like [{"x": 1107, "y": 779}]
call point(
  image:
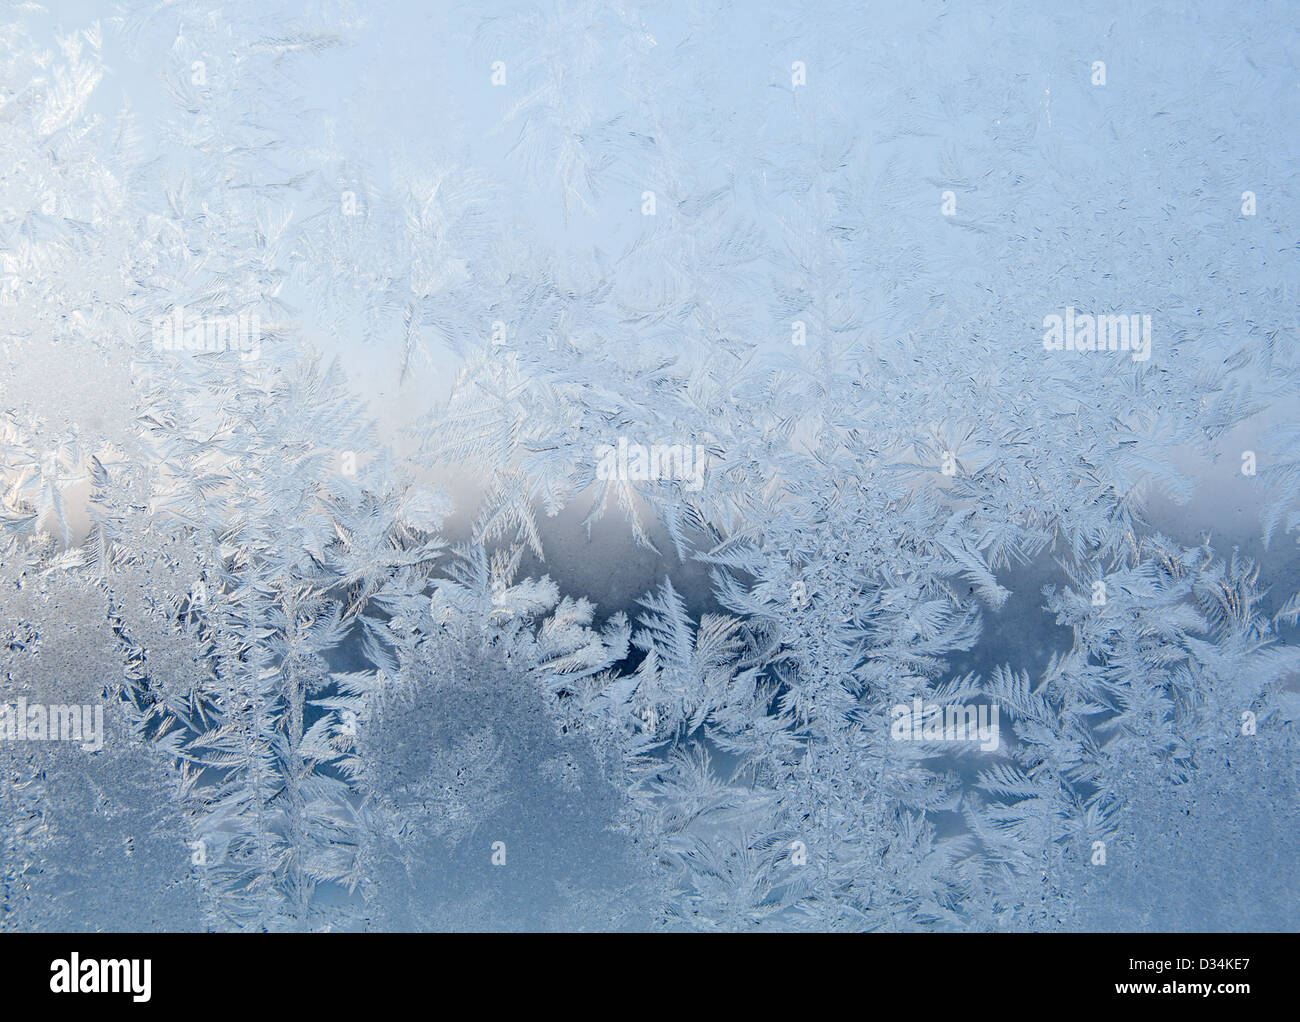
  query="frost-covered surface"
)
[{"x": 390, "y": 625}]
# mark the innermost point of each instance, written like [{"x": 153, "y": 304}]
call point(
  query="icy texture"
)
[{"x": 357, "y": 601}]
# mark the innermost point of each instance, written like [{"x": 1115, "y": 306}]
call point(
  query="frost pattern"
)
[{"x": 329, "y": 597}]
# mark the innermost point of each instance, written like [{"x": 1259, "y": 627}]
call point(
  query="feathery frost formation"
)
[{"x": 327, "y": 342}]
